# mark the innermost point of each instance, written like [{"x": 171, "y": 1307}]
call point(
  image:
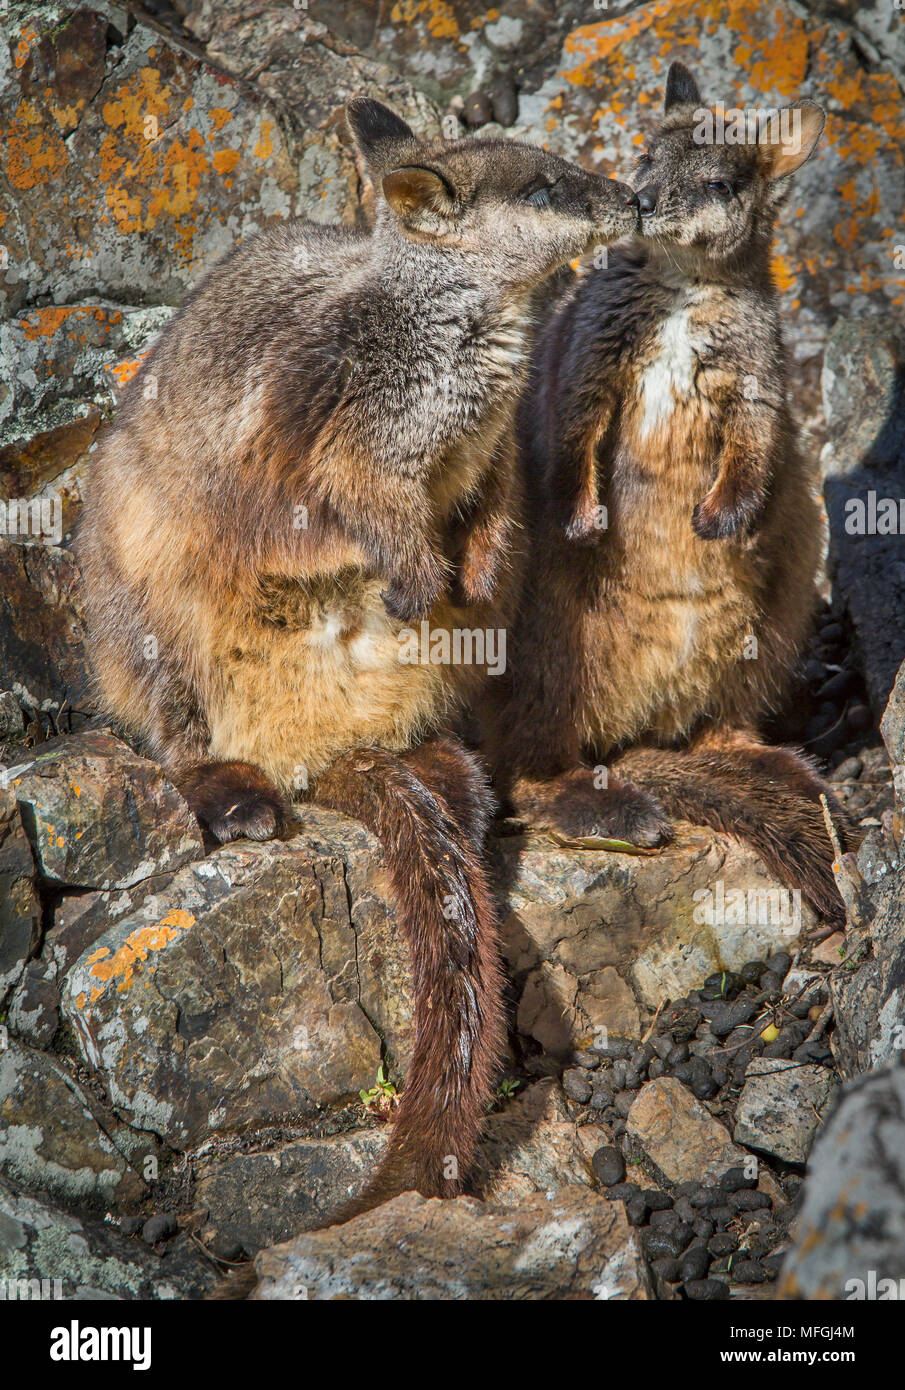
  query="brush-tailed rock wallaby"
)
[
  {"x": 675, "y": 525},
  {"x": 325, "y": 468}
]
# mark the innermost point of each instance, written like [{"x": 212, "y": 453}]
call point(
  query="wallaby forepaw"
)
[
  {"x": 715, "y": 518},
  {"x": 409, "y": 602},
  {"x": 235, "y": 801}
]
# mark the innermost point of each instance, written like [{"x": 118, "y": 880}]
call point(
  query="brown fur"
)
[
  {"x": 326, "y": 457},
  {"x": 447, "y": 916},
  {"x": 658, "y": 393}
]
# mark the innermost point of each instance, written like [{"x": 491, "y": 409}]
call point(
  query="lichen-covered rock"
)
[
  {"x": 565, "y": 1244},
  {"x": 153, "y": 162},
  {"x": 869, "y": 1002},
  {"x": 20, "y": 911},
  {"x": 679, "y": 1136},
  {"x": 99, "y": 816},
  {"x": 591, "y": 936},
  {"x": 850, "y": 1234},
  {"x": 864, "y": 463},
  {"x": 42, "y": 633},
  {"x": 256, "y": 1199},
  {"x": 53, "y": 1137},
  {"x": 232, "y": 997},
  {"x": 48, "y": 1254},
  {"x": 892, "y": 727},
  {"x": 781, "y": 1106},
  {"x": 78, "y": 920}
]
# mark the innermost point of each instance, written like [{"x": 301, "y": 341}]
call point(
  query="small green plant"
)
[
  {"x": 381, "y": 1098},
  {"x": 507, "y": 1088}
]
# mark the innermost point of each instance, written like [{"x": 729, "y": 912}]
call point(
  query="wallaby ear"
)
[
  {"x": 790, "y": 136},
  {"x": 378, "y": 132},
  {"x": 413, "y": 191},
  {"x": 681, "y": 88}
]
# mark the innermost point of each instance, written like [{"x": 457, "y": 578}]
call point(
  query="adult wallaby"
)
[
  {"x": 675, "y": 525},
  {"x": 327, "y": 457}
]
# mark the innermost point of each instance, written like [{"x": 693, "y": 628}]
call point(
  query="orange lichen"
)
[
  {"x": 441, "y": 19},
  {"x": 122, "y": 965},
  {"x": 264, "y": 145}
]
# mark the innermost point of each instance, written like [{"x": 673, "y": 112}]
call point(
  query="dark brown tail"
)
[
  {"x": 766, "y": 796},
  {"x": 426, "y": 809}
]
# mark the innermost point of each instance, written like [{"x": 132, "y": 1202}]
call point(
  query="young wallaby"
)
[
  {"x": 675, "y": 526},
  {"x": 327, "y": 456}
]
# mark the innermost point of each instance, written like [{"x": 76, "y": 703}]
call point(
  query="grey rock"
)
[
  {"x": 865, "y": 410},
  {"x": 47, "y": 1253},
  {"x": 20, "y": 912},
  {"x": 234, "y": 997},
  {"x": 533, "y": 1146},
  {"x": 257, "y": 1199},
  {"x": 852, "y": 1221},
  {"x": 55, "y": 1139},
  {"x": 781, "y": 1106},
  {"x": 98, "y": 816},
  {"x": 567, "y": 1244}
]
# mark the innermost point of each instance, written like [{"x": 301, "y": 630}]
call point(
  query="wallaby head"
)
[
  {"x": 711, "y": 179},
  {"x": 509, "y": 205}
]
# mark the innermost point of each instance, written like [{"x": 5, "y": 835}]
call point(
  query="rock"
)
[
  {"x": 43, "y": 1247},
  {"x": 577, "y": 1085},
  {"x": 98, "y": 816},
  {"x": 851, "y": 1226},
  {"x": 781, "y": 1106},
  {"x": 154, "y": 164},
  {"x": 20, "y": 911},
  {"x": 236, "y": 995},
  {"x": 55, "y": 1139},
  {"x": 532, "y": 1146},
  {"x": 42, "y": 635},
  {"x": 831, "y": 951},
  {"x": 570, "y": 1244},
  {"x": 679, "y": 1135},
  {"x": 257, "y": 1199},
  {"x": 590, "y": 936},
  {"x": 863, "y": 464},
  {"x": 869, "y": 1002},
  {"x": 12, "y": 725},
  {"x": 609, "y": 1166},
  {"x": 892, "y": 727},
  {"x": 159, "y": 1228},
  {"x": 34, "y": 1006}
]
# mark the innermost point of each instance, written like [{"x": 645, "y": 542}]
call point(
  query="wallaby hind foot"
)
[
  {"x": 571, "y": 804},
  {"x": 234, "y": 800}
]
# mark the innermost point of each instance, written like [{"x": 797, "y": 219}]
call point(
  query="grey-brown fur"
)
[
  {"x": 327, "y": 458},
  {"x": 675, "y": 523}
]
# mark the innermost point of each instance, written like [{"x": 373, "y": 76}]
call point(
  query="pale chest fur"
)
[
  {"x": 667, "y": 378},
  {"x": 676, "y": 611}
]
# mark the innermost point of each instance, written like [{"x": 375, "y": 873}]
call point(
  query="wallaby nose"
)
[{"x": 645, "y": 200}]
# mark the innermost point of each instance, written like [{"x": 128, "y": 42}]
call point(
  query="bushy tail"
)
[
  {"x": 447, "y": 914},
  {"x": 767, "y": 796}
]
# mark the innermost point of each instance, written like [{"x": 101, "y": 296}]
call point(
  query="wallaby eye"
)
[
  {"x": 720, "y": 188},
  {"x": 537, "y": 197}
]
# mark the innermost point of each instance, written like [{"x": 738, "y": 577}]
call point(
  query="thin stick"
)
[{"x": 830, "y": 828}]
